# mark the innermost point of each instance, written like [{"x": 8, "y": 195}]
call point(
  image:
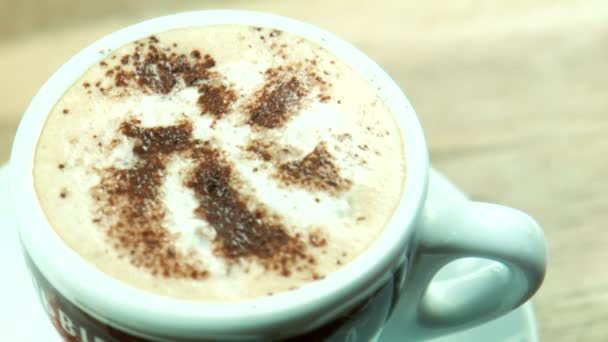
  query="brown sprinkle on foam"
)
[
  {"x": 133, "y": 196},
  {"x": 317, "y": 240},
  {"x": 158, "y": 140},
  {"x": 156, "y": 75},
  {"x": 156, "y": 68},
  {"x": 316, "y": 171},
  {"x": 245, "y": 229},
  {"x": 283, "y": 94},
  {"x": 276, "y": 101},
  {"x": 196, "y": 54},
  {"x": 260, "y": 148},
  {"x": 241, "y": 232},
  {"x": 215, "y": 100}
]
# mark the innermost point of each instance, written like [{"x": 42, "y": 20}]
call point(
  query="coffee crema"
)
[{"x": 220, "y": 163}]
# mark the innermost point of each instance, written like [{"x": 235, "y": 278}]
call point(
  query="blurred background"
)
[{"x": 513, "y": 96}]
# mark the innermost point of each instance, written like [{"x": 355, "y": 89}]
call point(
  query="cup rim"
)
[{"x": 155, "y": 314}]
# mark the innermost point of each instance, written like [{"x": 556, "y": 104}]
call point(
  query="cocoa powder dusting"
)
[
  {"x": 260, "y": 148},
  {"x": 215, "y": 100},
  {"x": 316, "y": 171},
  {"x": 130, "y": 200},
  {"x": 279, "y": 98},
  {"x": 285, "y": 91},
  {"x": 122, "y": 78},
  {"x": 156, "y": 75},
  {"x": 317, "y": 240},
  {"x": 195, "y": 54},
  {"x": 156, "y": 68},
  {"x": 158, "y": 140},
  {"x": 133, "y": 198},
  {"x": 241, "y": 232}
]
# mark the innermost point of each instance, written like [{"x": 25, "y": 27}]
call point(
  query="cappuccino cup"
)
[{"x": 239, "y": 176}]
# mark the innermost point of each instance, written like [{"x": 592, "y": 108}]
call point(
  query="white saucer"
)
[{"x": 23, "y": 319}]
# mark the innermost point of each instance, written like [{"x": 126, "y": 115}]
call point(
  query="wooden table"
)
[{"x": 513, "y": 97}]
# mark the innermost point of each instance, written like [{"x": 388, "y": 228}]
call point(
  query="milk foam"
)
[{"x": 355, "y": 127}]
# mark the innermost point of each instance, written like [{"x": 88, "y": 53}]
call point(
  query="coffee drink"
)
[{"x": 220, "y": 163}]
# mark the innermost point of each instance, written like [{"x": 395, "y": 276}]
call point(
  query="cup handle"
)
[{"x": 457, "y": 229}]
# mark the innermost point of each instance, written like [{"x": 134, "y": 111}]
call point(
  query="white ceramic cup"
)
[{"x": 350, "y": 304}]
